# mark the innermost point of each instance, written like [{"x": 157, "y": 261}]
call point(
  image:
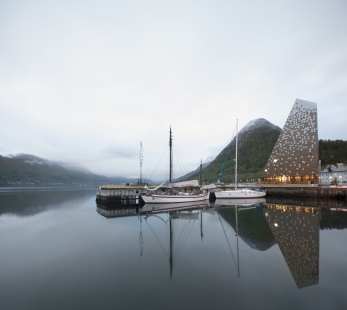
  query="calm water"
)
[{"x": 59, "y": 250}]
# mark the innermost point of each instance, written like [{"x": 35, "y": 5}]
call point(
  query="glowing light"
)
[{"x": 276, "y": 225}]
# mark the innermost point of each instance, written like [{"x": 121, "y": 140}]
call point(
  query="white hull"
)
[
  {"x": 240, "y": 193},
  {"x": 174, "y": 198}
]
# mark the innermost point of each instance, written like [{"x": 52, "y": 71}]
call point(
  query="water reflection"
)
[
  {"x": 59, "y": 251},
  {"x": 121, "y": 210},
  {"x": 253, "y": 228},
  {"x": 23, "y": 203},
  {"x": 296, "y": 230},
  {"x": 179, "y": 225},
  {"x": 260, "y": 225}
]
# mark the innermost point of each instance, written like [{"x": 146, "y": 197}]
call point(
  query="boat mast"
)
[
  {"x": 201, "y": 172},
  {"x": 141, "y": 161},
  {"x": 170, "y": 144},
  {"x": 236, "y": 156}
]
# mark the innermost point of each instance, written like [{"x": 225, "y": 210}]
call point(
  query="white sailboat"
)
[
  {"x": 246, "y": 192},
  {"x": 180, "y": 192}
]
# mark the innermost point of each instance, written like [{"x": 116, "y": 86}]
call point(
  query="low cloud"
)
[{"x": 120, "y": 152}]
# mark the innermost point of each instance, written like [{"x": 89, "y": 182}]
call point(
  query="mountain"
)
[
  {"x": 255, "y": 143},
  {"x": 25, "y": 169},
  {"x": 205, "y": 164}
]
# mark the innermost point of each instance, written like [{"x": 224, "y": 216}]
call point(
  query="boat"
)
[
  {"x": 246, "y": 192},
  {"x": 180, "y": 192}
]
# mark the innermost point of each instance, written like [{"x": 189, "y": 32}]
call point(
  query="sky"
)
[{"x": 85, "y": 81}]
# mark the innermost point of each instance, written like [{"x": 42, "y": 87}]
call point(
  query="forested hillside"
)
[
  {"x": 255, "y": 144},
  {"x": 24, "y": 170},
  {"x": 332, "y": 152},
  {"x": 256, "y": 141}
]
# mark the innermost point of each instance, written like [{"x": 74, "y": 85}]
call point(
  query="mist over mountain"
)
[
  {"x": 26, "y": 169},
  {"x": 255, "y": 143}
]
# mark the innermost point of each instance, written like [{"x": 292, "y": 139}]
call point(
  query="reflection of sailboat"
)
[
  {"x": 296, "y": 229},
  {"x": 162, "y": 207},
  {"x": 175, "y": 214},
  {"x": 240, "y": 201},
  {"x": 224, "y": 205},
  {"x": 247, "y": 192},
  {"x": 237, "y": 262}
]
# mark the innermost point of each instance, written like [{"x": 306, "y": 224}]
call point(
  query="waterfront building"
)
[
  {"x": 294, "y": 158},
  {"x": 331, "y": 172}
]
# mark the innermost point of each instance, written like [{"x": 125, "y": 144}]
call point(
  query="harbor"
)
[{"x": 117, "y": 195}]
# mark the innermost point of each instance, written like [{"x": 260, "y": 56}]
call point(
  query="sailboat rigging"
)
[
  {"x": 248, "y": 192},
  {"x": 188, "y": 191}
]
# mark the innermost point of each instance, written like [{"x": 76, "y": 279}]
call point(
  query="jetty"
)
[
  {"x": 130, "y": 195},
  {"x": 305, "y": 191}
]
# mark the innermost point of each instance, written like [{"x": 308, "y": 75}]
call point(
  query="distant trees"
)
[{"x": 332, "y": 151}]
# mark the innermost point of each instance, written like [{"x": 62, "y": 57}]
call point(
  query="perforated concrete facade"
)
[{"x": 295, "y": 155}]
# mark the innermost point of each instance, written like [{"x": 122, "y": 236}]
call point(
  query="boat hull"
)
[
  {"x": 174, "y": 198},
  {"x": 240, "y": 194}
]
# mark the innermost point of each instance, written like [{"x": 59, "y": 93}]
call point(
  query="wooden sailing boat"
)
[
  {"x": 179, "y": 192},
  {"x": 247, "y": 192}
]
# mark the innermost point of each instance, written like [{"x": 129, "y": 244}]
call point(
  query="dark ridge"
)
[{"x": 255, "y": 143}]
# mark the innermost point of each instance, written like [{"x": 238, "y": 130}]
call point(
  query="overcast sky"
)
[{"x": 85, "y": 81}]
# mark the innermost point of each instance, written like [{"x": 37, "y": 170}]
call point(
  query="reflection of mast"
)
[
  {"x": 180, "y": 240},
  {"x": 171, "y": 248},
  {"x": 201, "y": 232},
  {"x": 141, "y": 237},
  {"x": 237, "y": 264},
  {"x": 237, "y": 241}
]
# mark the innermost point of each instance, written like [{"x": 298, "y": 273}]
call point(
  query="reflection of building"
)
[
  {"x": 295, "y": 154},
  {"x": 296, "y": 230}
]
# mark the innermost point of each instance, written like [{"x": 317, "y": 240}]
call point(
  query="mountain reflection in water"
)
[
  {"x": 287, "y": 254},
  {"x": 295, "y": 228}
]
